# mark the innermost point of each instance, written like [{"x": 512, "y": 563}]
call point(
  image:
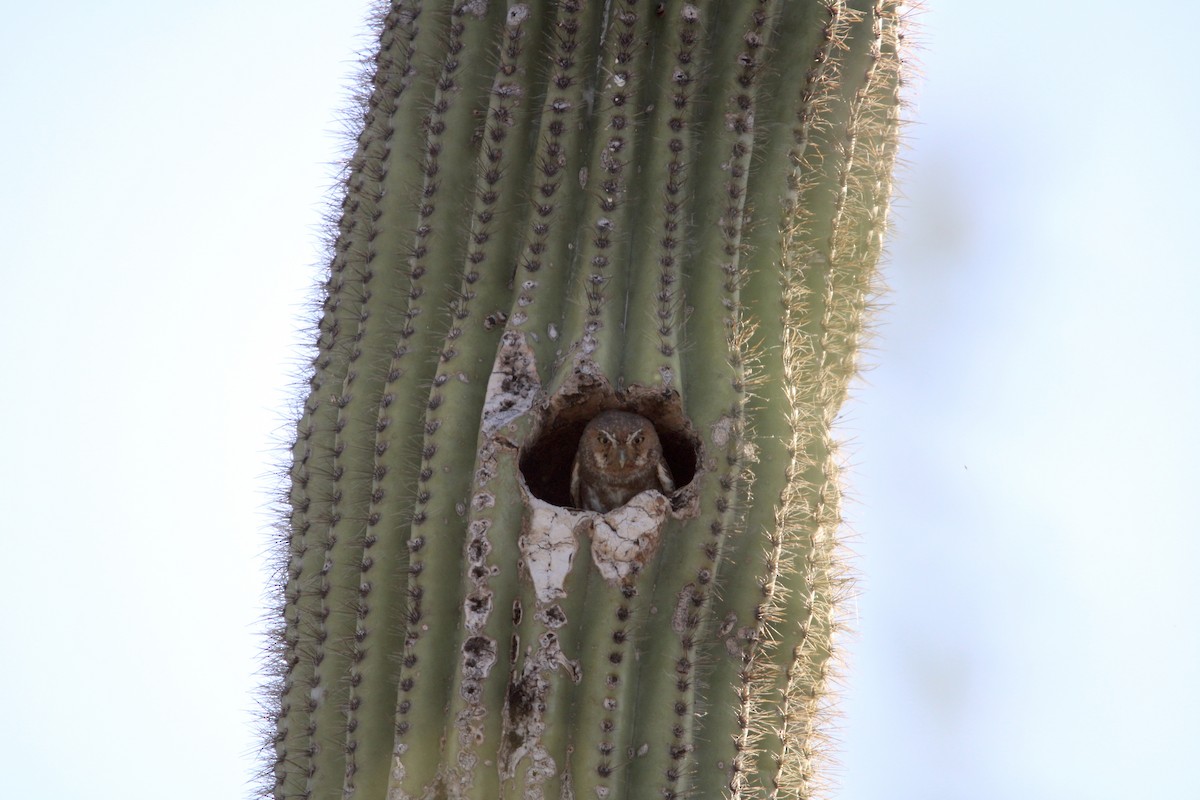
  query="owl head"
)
[{"x": 620, "y": 442}]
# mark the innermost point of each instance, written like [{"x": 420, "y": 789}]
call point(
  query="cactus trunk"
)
[{"x": 554, "y": 209}]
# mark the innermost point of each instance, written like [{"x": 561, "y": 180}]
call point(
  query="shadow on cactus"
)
[{"x": 553, "y": 210}]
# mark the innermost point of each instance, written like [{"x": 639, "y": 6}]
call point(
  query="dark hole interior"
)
[{"x": 546, "y": 462}]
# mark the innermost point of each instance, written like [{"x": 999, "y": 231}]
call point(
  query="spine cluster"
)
[{"x": 688, "y": 198}]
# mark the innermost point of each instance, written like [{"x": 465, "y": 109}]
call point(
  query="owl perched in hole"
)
[{"x": 619, "y": 456}]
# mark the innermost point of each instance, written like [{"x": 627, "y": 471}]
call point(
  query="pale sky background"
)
[{"x": 1024, "y": 490}]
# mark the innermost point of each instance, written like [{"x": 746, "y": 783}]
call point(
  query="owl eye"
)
[
  {"x": 637, "y": 438},
  {"x": 604, "y": 438}
]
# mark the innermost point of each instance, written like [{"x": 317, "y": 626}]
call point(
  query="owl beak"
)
[{"x": 621, "y": 458}]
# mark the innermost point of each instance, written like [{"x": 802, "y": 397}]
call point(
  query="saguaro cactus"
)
[{"x": 555, "y": 209}]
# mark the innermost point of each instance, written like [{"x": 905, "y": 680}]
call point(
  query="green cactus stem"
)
[{"x": 554, "y": 209}]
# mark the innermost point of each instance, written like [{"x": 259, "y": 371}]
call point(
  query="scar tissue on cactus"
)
[{"x": 553, "y": 210}]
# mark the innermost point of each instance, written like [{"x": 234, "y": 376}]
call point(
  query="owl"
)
[{"x": 619, "y": 456}]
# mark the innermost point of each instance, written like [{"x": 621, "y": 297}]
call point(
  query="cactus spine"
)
[{"x": 552, "y": 209}]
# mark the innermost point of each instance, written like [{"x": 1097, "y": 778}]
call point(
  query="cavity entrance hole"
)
[{"x": 546, "y": 459}]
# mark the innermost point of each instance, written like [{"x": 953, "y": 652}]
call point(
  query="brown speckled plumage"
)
[{"x": 619, "y": 456}]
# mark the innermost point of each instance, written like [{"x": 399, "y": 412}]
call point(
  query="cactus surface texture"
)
[{"x": 554, "y": 209}]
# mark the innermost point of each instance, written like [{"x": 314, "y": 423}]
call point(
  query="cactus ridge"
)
[
  {"x": 550, "y": 209},
  {"x": 762, "y": 712},
  {"x": 817, "y": 372},
  {"x": 430, "y": 449},
  {"x": 651, "y": 317},
  {"x": 798, "y": 723},
  {"x": 602, "y": 278},
  {"x": 742, "y": 118},
  {"x": 547, "y": 248},
  {"x": 652, "y": 355},
  {"x": 604, "y": 705},
  {"x": 313, "y": 472},
  {"x": 392, "y": 299},
  {"x": 454, "y": 408}
]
